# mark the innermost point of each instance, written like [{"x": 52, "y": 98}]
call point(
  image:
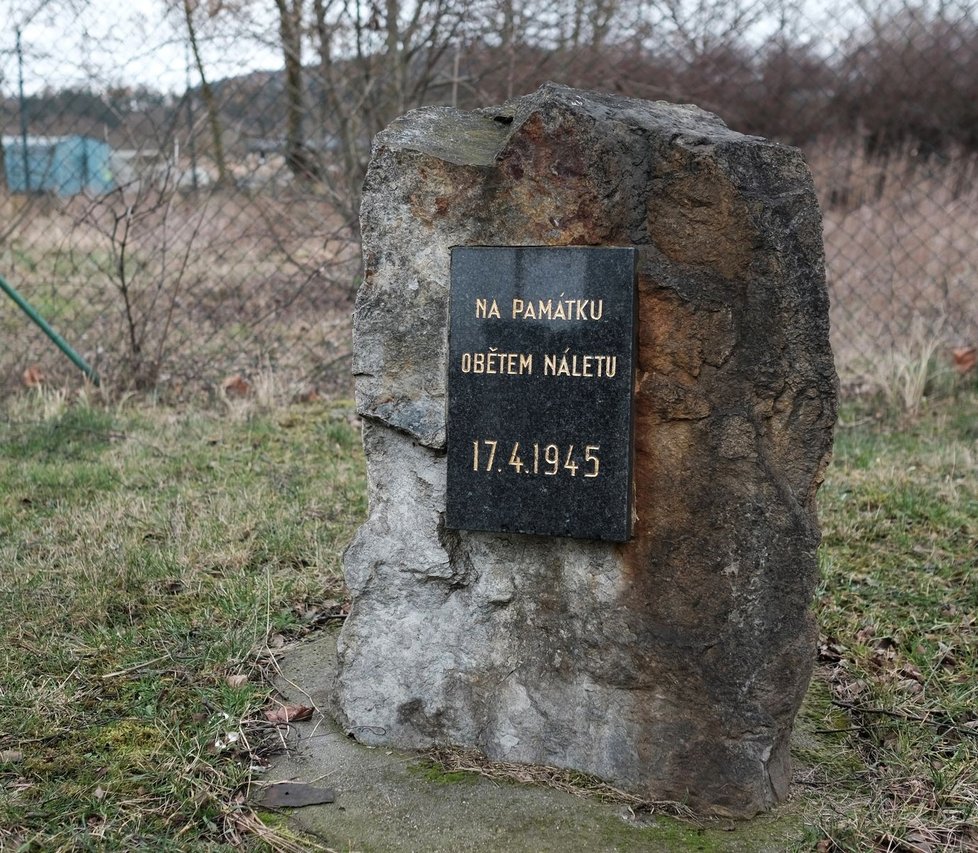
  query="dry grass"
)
[
  {"x": 224, "y": 282},
  {"x": 901, "y": 256},
  {"x": 904, "y": 374},
  {"x": 447, "y": 759},
  {"x": 215, "y": 284}
]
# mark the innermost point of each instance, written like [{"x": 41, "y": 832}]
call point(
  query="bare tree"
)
[
  {"x": 375, "y": 62},
  {"x": 297, "y": 155},
  {"x": 188, "y": 10},
  {"x": 148, "y": 248},
  {"x": 699, "y": 27}
]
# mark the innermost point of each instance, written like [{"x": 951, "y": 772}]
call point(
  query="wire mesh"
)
[{"x": 180, "y": 179}]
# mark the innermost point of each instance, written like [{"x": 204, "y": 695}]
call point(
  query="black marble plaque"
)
[{"x": 541, "y": 349}]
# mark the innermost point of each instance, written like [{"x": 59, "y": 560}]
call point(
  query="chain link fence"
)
[{"x": 180, "y": 179}]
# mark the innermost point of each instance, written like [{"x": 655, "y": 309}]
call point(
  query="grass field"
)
[
  {"x": 154, "y": 560},
  {"x": 898, "y": 605},
  {"x": 147, "y": 556}
]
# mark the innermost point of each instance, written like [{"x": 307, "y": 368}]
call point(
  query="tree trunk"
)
[
  {"x": 338, "y": 118},
  {"x": 210, "y": 104},
  {"x": 297, "y": 156}
]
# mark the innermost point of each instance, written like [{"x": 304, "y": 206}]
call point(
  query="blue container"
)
[{"x": 64, "y": 165}]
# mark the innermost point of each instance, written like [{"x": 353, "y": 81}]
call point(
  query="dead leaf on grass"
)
[
  {"x": 289, "y": 714},
  {"x": 830, "y": 650},
  {"x": 885, "y": 648},
  {"x": 964, "y": 358},
  {"x": 910, "y": 672},
  {"x": 947, "y": 657},
  {"x": 921, "y": 841},
  {"x": 236, "y": 386},
  {"x": 32, "y": 376},
  {"x": 849, "y": 690}
]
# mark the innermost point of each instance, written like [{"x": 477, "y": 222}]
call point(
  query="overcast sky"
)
[
  {"x": 103, "y": 43},
  {"x": 117, "y": 42}
]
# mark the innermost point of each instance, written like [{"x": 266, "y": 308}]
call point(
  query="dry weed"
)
[
  {"x": 901, "y": 255},
  {"x": 458, "y": 760}
]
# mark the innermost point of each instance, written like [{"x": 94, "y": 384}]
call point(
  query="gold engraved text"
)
[
  {"x": 485, "y": 309},
  {"x": 558, "y": 309},
  {"x": 548, "y": 460},
  {"x": 492, "y": 362},
  {"x": 585, "y": 366}
]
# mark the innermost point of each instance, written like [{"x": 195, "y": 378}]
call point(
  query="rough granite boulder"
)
[{"x": 674, "y": 664}]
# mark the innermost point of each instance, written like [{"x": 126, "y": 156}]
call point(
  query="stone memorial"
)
[{"x": 592, "y": 360}]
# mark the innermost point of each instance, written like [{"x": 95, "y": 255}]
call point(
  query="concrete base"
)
[{"x": 388, "y": 800}]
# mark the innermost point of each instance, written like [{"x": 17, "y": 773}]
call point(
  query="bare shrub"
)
[
  {"x": 159, "y": 287},
  {"x": 910, "y": 80}
]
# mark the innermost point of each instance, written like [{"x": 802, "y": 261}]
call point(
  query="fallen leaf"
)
[
  {"x": 947, "y": 656},
  {"x": 32, "y": 376},
  {"x": 885, "y": 647},
  {"x": 236, "y": 386},
  {"x": 909, "y": 671},
  {"x": 237, "y": 681},
  {"x": 296, "y": 795},
  {"x": 830, "y": 650},
  {"x": 289, "y": 714},
  {"x": 922, "y": 843},
  {"x": 964, "y": 358},
  {"x": 850, "y": 690}
]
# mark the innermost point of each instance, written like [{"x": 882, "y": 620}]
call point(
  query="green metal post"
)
[{"x": 43, "y": 325}]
